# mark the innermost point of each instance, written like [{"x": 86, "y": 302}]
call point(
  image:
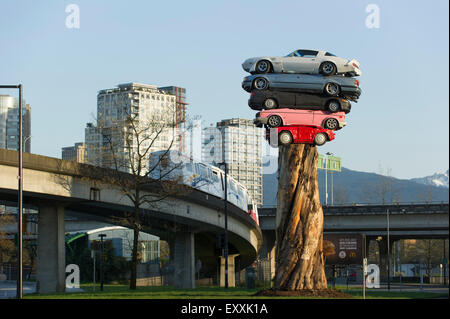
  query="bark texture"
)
[{"x": 299, "y": 247}]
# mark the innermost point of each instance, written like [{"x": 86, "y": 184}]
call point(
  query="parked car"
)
[
  {"x": 303, "y": 61},
  {"x": 345, "y": 87},
  {"x": 299, "y": 134},
  {"x": 267, "y": 99},
  {"x": 287, "y": 117}
]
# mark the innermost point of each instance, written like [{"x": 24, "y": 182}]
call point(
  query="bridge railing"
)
[
  {"x": 376, "y": 204},
  {"x": 402, "y": 207}
]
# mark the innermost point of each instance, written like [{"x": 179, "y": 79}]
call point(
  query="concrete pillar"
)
[
  {"x": 383, "y": 257},
  {"x": 231, "y": 271},
  {"x": 184, "y": 258},
  {"x": 51, "y": 256}
]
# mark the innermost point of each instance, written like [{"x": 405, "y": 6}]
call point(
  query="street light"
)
[
  {"x": 225, "y": 249},
  {"x": 326, "y": 178},
  {"x": 388, "y": 252},
  {"x": 19, "y": 293},
  {"x": 101, "y": 261}
]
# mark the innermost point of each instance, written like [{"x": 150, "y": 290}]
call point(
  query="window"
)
[
  {"x": 306, "y": 53},
  {"x": 203, "y": 171},
  {"x": 329, "y": 54},
  {"x": 215, "y": 178},
  {"x": 94, "y": 194}
]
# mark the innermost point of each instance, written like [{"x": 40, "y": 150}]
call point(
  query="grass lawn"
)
[{"x": 122, "y": 292}]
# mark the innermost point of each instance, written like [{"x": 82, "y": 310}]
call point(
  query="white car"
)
[{"x": 303, "y": 61}]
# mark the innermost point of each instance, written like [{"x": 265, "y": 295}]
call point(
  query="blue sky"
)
[{"x": 401, "y": 122}]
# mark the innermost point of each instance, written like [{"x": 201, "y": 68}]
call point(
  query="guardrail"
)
[{"x": 375, "y": 204}]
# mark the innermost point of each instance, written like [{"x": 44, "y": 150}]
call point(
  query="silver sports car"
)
[
  {"x": 308, "y": 83},
  {"x": 303, "y": 61}
]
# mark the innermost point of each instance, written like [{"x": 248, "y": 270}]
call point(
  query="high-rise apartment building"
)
[
  {"x": 9, "y": 124},
  {"x": 155, "y": 115},
  {"x": 74, "y": 153},
  {"x": 180, "y": 111},
  {"x": 237, "y": 142},
  {"x": 9, "y": 134}
]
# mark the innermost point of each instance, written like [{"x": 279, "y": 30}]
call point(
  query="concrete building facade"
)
[
  {"x": 9, "y": 124},
  {"x": 156, "y": 117},
  {"x": 238, "y": 142},
  {"x": 74, "y": 153}
]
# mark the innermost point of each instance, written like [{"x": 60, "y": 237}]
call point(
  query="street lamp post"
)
[
  {"x": 225, "y": 249},
  {"x": 102, "y": 277},
  {"x": 326, "y": 179},
  {"x": 19, "y": 292},
  {"x": 388, "y": 252}
]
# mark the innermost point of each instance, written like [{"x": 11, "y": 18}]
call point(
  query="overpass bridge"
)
[
  {"x": 189, "y": 222},
  {"x": 406, "y": 221}
]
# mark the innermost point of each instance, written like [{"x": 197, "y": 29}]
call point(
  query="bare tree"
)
[
  {"x": 7, "y": 246},
  {"x": 341, "y": 195},
  {"x": 126, "y": 142},
  {"x": 383, "y": 189}
]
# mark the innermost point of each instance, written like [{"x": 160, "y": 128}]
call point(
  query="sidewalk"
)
[
  {"x": 406, "y": 287},
  {"x": 8, "y": 289}
]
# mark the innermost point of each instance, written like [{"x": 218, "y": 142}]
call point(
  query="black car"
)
[{"x": 260, "y": 100}]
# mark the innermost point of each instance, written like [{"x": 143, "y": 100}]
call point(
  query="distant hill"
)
[
  {"x": 360, "y": 187},
  {"x": 438, "y": 179}
]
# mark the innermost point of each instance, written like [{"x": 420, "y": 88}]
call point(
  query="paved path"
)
[
  {"x": 8, "y": 289},
  {"x": 408, "y": 287}
]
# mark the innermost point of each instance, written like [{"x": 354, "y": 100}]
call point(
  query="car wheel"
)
[
  {"x": 332, "y": 89},
  {"x": 270, "y": 104},
  {"x": 331, "y": 124},
  {"x": 274, "y": 121},
  {"x": 263, "y": 66},
  {"x": 334, "y": 106},
  {"x": 260, "y": 84},
  {"x": 285, "y": 138},
  {"x": 320, "y": 139},
  {"x": 327, "y": 68}
]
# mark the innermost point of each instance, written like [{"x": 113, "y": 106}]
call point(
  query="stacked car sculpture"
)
[{"x": 304, "y": 96}]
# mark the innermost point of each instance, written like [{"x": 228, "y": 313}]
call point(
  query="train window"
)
[
  {"x": 233, "y": 187},
  {"x": 203, "y": 171},
  {"x": 215, "y": 177}
]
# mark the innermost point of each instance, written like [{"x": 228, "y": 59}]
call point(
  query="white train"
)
[{"x": 173, "y": 165}]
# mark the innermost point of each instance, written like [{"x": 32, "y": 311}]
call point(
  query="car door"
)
[
  {"x": 302, "y": 61},
  {"x": 309, "y": 101},
  {"x": 285, "y": 99},
  {"x": 305, "y": 134},
  {"x": 297, "y": 117}
]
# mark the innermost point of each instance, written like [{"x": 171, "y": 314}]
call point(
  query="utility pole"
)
[
  {"x": 326, "y": 180},
  {"x": 444, "y": 264},
  {"x": 19, "y": 291},
  {"x": 102, "y": 277},
  {"x": 388, "y": 252},
  {"x": 225, "y": 249}
]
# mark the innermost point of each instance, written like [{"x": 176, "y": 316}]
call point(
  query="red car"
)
[
  {"x": 287, "y": 117},
  {"x": 300, "y": 134}
]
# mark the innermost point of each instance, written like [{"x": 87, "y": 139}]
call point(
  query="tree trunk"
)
[
  {"x": 134, "y": 252},
  {"x": 299, "y": 220}
]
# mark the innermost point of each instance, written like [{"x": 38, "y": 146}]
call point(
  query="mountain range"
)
[
  {"x": 349, "y": 186},
  {"x": 437, "y": 179}
]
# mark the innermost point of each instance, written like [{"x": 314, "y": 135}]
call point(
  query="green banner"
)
[{"x": 334, "y": 163}]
